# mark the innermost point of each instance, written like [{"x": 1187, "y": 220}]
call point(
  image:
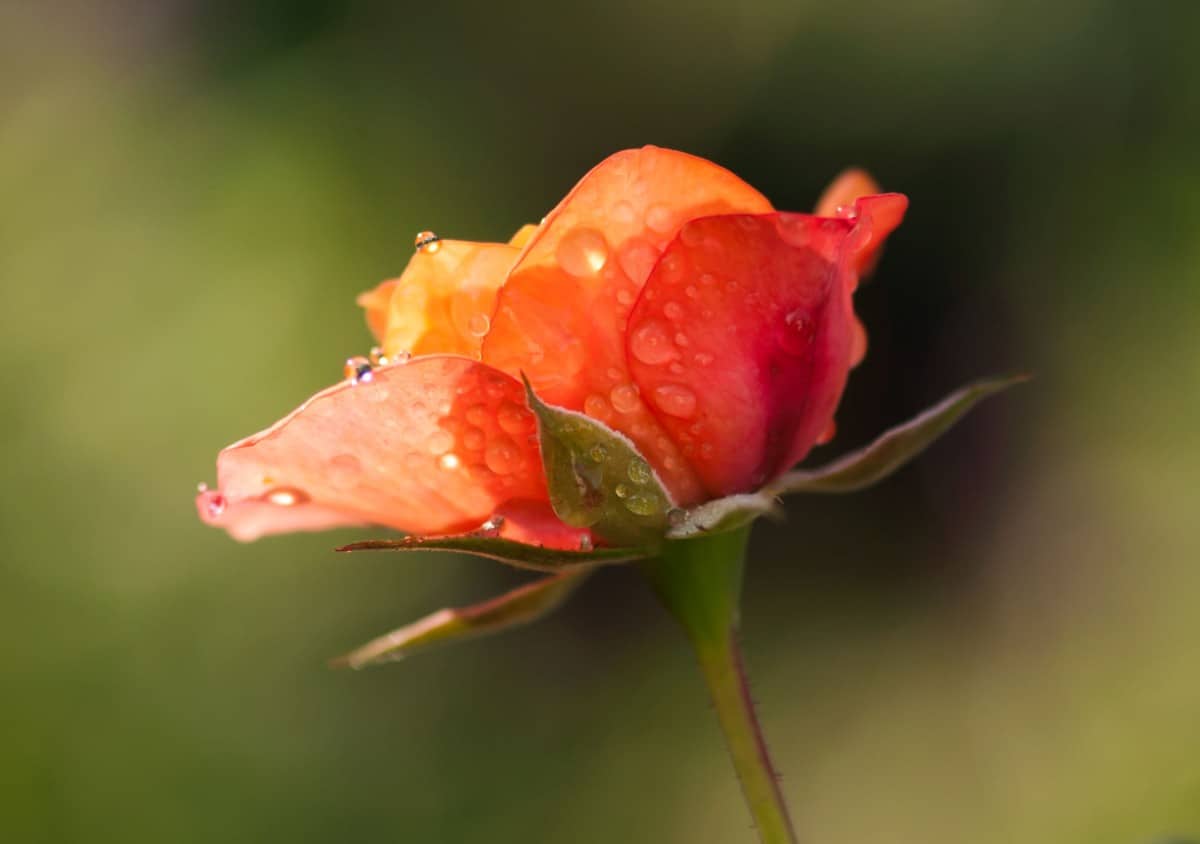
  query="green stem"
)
[{"x": 699, "y": 582}]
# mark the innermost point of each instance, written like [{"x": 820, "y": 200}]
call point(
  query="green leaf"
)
[
  {"x": 512, "y": 609},
  {"x": 894, "y": 448},
  {"x": 722, "y": 514},
  {"x": 519, "y": 554},
  {"x": 597, "y": 479}
]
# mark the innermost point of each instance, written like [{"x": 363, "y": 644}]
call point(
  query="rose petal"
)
[
  {"x": 433, "y": 446},
  {"x": 753, "y": 326},
  {"x": 523, "y": 235},
  {"x": 561, "y": 316},
  {"x": 443, "y": 301},
  {"x": 849, "y": 185}
]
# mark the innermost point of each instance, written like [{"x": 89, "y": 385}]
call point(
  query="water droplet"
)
[
  {"x": 703, "y": 358},
  {"x": 681, "y": 339},
  {"x": 449, "y": 462},
  {"x": 582, "y": 252},
  {"x": 651, "y": 344},
  {"x": 427, "y": 242},
  {"x": 660, "y": 218},
  {"x": 676, "y": 400},
  {"x": 358, "y": 370},
  {"x": 641, "y": 505},
  {"x": 477, "y": 414},
  {"x": 673, "y": 310},
  {"x": 514, "y": 419},
  {"x": 479, "y": 324},
  {"x": 202, "y": 487},
  {"x": 491, "y": 528},
  {"x": 215, "y": 504},
  {"x": 624, "y": 297},
  {"x": 596, "y": 406},
  {"x": 691, "y": 292},
  {"x": 798, "y": 332},
  {"x": 677, "y": 368},
  {"x": 377, "y": 357},
  {"x": 708, "y": 279},
  {"x": 847, "y": 212},
  {"x": 286, "y": 497},
  {"x": 676, "y": 517},
  {"x": 622, "y": 491},
  {"x": 439, "y": 442},
  {"x": 502, "y": 456},
  {"x": 598, "y": 453},
  {"x": 639, "y": 472},
  {"x": 623, "y": 212},
  {"x": 402, "y": 356},
  {"x": 613, "y": 373},
  {"x": 624, "y": 398},
  {"x": 585, "y": 542},
  {"x": 473, "y": 439},
  {"x": 637, "y": 258}
]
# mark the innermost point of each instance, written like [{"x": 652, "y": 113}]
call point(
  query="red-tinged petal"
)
[
  {"x": 561, "y": 316},
  {"x": 436, "y": 445},
  {"x": 534, "y": 523},
  {"x": 442, "y": 303},
  {"x": 744, "y": 335}
]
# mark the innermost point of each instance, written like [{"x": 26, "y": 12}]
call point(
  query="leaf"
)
[
  {"x": 895, "y": 447},
  {"x": 597, "y": 479},
  {"x": 722, "y": 514},
  {"x": 512, "y": 609},
  {"x": 519, "y": 554}
]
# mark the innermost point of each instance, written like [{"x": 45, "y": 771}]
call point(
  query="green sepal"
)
[
  {"x": 520, "y": 606},
  {"x": 519, "y": 554},
  {"x": 867, "y": 466},
  {"x": 723, "y": 514},
  {"x": 597, "y": 478}
]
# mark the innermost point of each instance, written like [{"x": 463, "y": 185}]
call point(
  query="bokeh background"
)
[{"x": 998, "y": 645}]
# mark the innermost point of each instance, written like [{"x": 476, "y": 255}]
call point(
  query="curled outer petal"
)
[
  {"x": 437, "y": 445},
  {"x": 561, "y": 316},
  {"x": 442, "y": 303},
  {"x": 838, "y": 201},
  {"x": 743, "y": 337}
]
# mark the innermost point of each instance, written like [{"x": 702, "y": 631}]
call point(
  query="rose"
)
[
  {"x": 664, "y": 298},
  {"x": 630, "y": 379}
]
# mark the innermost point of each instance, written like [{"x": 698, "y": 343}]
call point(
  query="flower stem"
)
[{"x": 699, "y": 581}]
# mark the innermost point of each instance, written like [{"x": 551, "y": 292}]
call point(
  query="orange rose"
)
[{"x": 663, "y": 297}]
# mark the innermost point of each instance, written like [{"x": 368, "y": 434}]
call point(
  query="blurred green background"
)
[{"x": 998, "y": 645}]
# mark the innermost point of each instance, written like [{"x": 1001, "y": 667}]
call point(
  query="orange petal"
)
[
  {"x": 560, "y": 318},
  {"x": 442, "y": 303},
  {"x": 523, "y": 235},
  {"x": 436, "y": 445},
  {"x": 850, "y": 184},
  {"x": 743, "y": 336}
]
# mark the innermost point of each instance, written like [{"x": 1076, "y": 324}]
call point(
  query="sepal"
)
[
  {"x": 518, "y": 554},
  {"x": 597, "y": 478},
  {"x": 520, "y": 606},
  {"x": 867, "y": 466}
]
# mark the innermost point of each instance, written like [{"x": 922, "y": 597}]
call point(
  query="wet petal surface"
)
[
  {"x": 561, "y": 316},
  {"x": 744, "y": 335},
  {"x": 432, "y": 446}
]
